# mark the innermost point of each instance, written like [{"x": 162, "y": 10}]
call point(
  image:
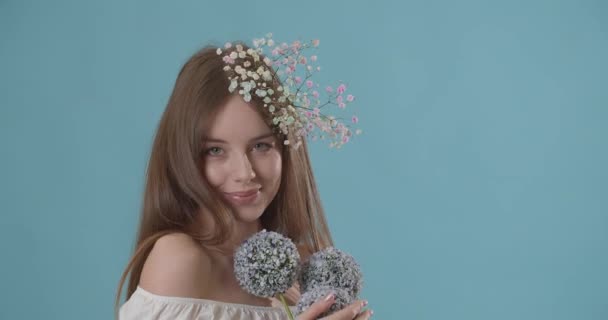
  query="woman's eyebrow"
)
[{"x": 266, "y": 135}]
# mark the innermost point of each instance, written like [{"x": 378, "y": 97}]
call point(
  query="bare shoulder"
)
[{"x": 176, "y": 266}]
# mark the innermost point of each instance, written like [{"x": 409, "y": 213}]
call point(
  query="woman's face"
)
[{"x": 242, "y": 159}]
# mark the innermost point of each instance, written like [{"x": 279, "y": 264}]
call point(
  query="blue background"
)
[{"x": 477, "y": 191}]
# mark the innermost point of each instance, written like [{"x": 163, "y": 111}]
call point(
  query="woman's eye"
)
[
  {"x": 214, "y": 151},
  {"x": 262, "y": 146}
]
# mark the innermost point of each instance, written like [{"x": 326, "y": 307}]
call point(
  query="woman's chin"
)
[{"x": 248, "y": 215}]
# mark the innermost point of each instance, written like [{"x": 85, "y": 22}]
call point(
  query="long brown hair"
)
[{"x": 176, "y": 190}]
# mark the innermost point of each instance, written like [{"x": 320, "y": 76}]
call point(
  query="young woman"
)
[{"x": 219, "y": 171}]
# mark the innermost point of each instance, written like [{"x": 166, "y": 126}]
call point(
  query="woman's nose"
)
[{"x": 242, "y": 169}]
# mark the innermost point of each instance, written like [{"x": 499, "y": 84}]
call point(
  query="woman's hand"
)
[{"x": 350, "y": 312}]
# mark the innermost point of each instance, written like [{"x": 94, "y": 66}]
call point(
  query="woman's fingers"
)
[
  {"x": 364, "y": 315},
  {"x": 352, "y": 311},
  {"x": 292, "y": 295},
  {"x": 317, "y": 308}
]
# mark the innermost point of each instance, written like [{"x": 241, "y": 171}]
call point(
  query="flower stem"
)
[{"x": 286, "y": 307}]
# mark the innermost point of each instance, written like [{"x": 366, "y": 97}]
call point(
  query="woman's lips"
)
[{"x": 242, "y": 198}]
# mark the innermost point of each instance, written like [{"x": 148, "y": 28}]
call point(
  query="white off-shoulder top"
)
[{"x": 144, "y": 305}]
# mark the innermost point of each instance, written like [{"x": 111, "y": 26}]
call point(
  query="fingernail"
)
[{"x": 329, "y": 297}]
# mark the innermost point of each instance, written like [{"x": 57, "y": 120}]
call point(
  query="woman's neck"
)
[{"x": 238, "y": 233}]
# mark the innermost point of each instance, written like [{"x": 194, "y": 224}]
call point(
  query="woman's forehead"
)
[{"x": 237, "y": 120}]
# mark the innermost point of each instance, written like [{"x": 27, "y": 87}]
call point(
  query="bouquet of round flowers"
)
[{"x": 267, "y": 265}]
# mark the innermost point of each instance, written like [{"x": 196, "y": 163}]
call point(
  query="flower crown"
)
[{"x": 297, "y": 103}]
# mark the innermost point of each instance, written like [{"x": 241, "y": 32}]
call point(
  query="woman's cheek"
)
[
  {"x": 214, "y": 174},
  {"x": 272, "y": 166}
]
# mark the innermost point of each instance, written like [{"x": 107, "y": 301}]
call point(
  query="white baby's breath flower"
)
[
  {"x": 267, "y": 61},
  {"x": 233, "y": 85},
  {"x": 260, "y": 93}
]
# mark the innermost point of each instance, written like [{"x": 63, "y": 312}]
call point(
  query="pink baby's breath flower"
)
[
  {"x": 228, "y": 45},
  {"x": 309, "y": 83},
  {"x": 341, "y": 105},
  {"x": 315, "y": 94},
  {"x": 306, "y": 101},
  {"x": 355, "y": 119},
  {"x": 275, "y": 52},
  {"x": 303, "y": 60},
  {"x": 315, "y": 42},
  {"x": 339, "y": 99},
  {"x": 345, "y": 139},
  {"x": 313, "y": 58},
  {"x": 350, "y": 98},
  {"x": 316, "y": 111},
  {"x": 295, "y": 47},
  {"x": 298, "y": 80},
  {"x": 341, "y": 88},
  {"x": 329, "y": 89}
]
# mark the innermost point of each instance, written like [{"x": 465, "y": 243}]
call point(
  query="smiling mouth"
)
[
  {"x": 243, "y": 198},
  {"x": 243, "y": 194}
]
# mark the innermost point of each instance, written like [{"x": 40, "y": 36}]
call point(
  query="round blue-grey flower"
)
[
  {"x": 266, "y": 264},
  {"x": 331, "y": 267}
]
